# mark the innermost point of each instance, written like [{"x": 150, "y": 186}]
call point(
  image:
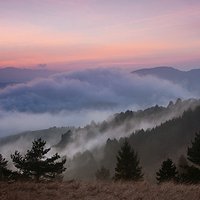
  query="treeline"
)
[
  {"x": 188, "y": 170},
  {"x": 34, "y": 165},
  {"x": 128, "y": 166},
  {"x": 169, "y": 140},
  {"x": 165, "y": 142}
]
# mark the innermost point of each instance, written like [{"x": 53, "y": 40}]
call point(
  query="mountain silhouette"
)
[{"x": 189, "y": 79}]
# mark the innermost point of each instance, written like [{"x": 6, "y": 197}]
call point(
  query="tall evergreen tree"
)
[
  {"x": 35, "y": 165},
  {"x": 168, "y": 172},
  {"x": 193, "y": 153},
  {"x": 127, "y": 167},
  {"x": 192, "y": 172},
  {"x": 5, "y": 173}
]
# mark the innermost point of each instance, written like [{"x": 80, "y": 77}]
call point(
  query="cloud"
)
[
  {"x": 89, "y": 89},
  {"x": 76, "y": 98},
  {"x": 13, "y": 122}
]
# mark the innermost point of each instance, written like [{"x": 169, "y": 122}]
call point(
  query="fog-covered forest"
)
[{"x": 156, "y": 133}]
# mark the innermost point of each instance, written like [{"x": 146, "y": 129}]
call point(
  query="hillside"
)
[
  {"x": 156, "y": 133},
  {"x": 170, "y": 139},
  {"x": 189, "y": 79}
]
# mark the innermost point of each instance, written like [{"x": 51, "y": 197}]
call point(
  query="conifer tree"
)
[
  {"x": 5, "y": 173},
  {"x": 35, "y": 165},
  {"x": 192, "y": 172},
  {"x": 193, "y": 153},
  {"x": 168, "y": 172},
  {"x": 127, "y": 167}
]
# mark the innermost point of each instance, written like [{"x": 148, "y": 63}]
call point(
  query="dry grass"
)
[{"x": 97, "y": 191}]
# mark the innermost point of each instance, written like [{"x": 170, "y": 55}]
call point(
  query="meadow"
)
[{"x": 73, "y": 190}]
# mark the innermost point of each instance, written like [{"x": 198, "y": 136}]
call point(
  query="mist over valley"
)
[{"x": 90, "y": 112}]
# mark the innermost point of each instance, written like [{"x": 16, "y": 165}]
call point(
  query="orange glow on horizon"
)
[{"x": 89, "y": 32}]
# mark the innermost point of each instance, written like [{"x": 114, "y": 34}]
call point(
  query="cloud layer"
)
[
  {"x": 76, "y": 98},
  {"x": 89, "y": 89}
]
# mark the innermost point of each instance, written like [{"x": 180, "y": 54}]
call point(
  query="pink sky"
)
[{"x": 85, "y": 33}]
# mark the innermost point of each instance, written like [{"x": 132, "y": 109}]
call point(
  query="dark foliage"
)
[
  {"x": 127, "y": 167},
  {"x": 191, "y": 173},
  {"x": 35, "y": 165},
  {"x": 65, "y": 139},
  {"x": 5, "y": 173},
  {"x": 193, "y": 153},
  {"x": 170, "y": 139},
  {"x": 168, "y": 172}
]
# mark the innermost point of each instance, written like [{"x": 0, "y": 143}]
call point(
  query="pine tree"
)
[
  {"x": 127, "y": 167},
  {"x": 35, "y": 165},
  {"x": 192, "y": 172},
  {"x": 4, "y": 172},
  {"x": 193, "y": 153},
  {"x": 168, "y": 172}
]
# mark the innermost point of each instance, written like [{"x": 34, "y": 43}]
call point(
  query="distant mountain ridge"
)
[
  {"x": 165, "y": 71},
  {"x": 12, "y": 75},
  {"x": 189, "y": 79}
]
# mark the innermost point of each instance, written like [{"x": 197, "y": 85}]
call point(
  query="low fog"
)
[
  {"x": 77, "y": 98},
  {"x": 85, "y": 148}
]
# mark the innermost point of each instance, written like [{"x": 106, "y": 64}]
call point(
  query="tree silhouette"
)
[
  {"x": 191, "y": 175},
  {"x": 168, "y": 172},
  {"x": 192, "y": 172},
  {"x": 35, "y": 165},
  {"x": 4, "y": 172},
  {"x": 193, "y": 153},
  {"x": 102, "y": 174},
  {"x": 127, "y": 167}
]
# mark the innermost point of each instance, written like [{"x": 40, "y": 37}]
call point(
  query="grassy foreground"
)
[{"x": 93, "y": 191}]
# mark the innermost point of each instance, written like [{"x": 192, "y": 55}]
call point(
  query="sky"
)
[
  {"x": 80, "y": 34},
  {"x": 88, "y": 44}
]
